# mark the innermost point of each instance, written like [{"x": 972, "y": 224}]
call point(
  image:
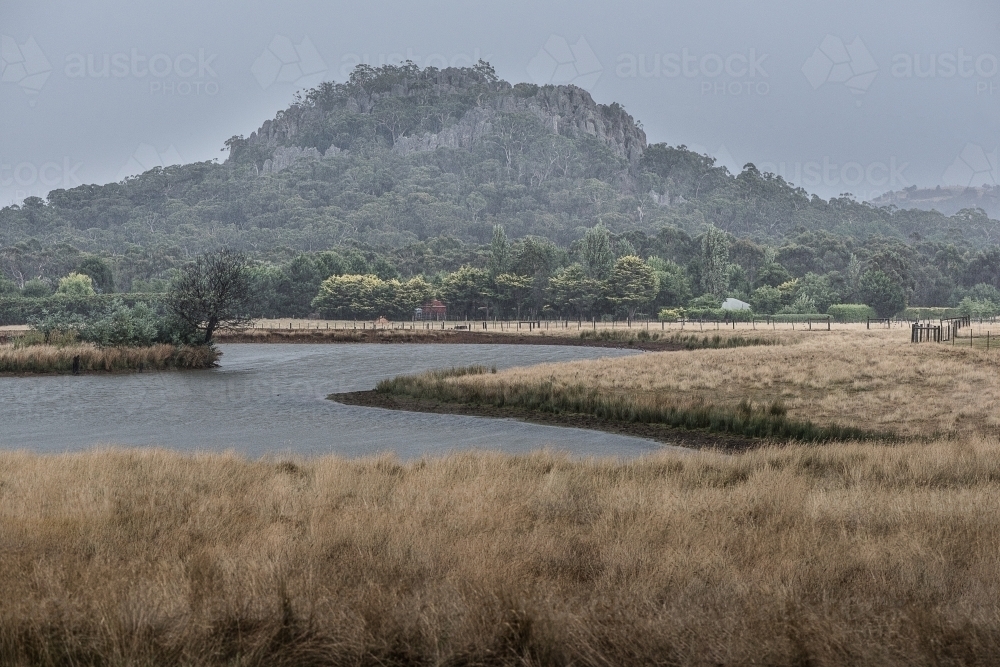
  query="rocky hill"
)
[
  {"x": 422, "y": 110},
  {"x": 419, "y": 166}
]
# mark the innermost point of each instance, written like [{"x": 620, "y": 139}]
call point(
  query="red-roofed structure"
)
[{"x": 435, "y": 311}]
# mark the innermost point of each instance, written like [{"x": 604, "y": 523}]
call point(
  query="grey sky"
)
[{"x": 836, "y": 96}]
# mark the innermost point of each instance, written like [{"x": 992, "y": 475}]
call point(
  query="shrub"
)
[
  {"x": 803, "y": 303},
  {"x": 671, "y": 314},
  {"x": 970, "y": 307},
  {"x": 882, "y": 293},
  {"x": 117, "y": 325},
  {"x": 850, "y": 312},
  {"x": 766, "y": 299},
  {"x": 76, "y": 284},
  {"x": 22, "y": 310},
  {"x": 36, "y": 288},
  {"x": 122, "y": 326}
]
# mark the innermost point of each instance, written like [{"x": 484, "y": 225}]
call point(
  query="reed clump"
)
[
  {"x": 848, "y": 554},
  {"x": 747, "y": 418},
  {"x": 684, "y": 341},
  {"x": 56, "y": 359}
]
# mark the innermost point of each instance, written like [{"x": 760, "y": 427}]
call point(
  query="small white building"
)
[{"x": 735, "y": 304}]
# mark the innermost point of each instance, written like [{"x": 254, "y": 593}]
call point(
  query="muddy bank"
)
[{"x": 658, "y": 432}]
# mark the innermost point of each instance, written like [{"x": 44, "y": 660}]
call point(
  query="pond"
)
[{"x": 272, "y": 399}]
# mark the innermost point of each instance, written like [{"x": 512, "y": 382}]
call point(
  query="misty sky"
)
[{"x": 857, "y": 96}]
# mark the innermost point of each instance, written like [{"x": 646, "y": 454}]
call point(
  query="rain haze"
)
[{"x": 836, "y": 97}]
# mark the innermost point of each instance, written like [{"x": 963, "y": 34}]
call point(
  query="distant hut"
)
[{"x": 433, "y": 311}]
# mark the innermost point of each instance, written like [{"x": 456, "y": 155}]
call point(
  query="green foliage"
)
[
  {"x": 632, "y": 284},
  {"x": 675, "y": 286},
  {"x": 214, "y": 291},
  {"x": 114, "y": 323},
  {"x": 984, "y": 293},
  {"x": 499, "y": 260},
  {"x": 36, "y": 288},
  {"x": 978, "y": 309},
  {"x": 766, "y": 300},
  {"x": 369, "y": 297},
  {"x": 715, "y": 262},
  {"x": 597, "y": 256},
  {"x": 19, "y": 310},
  {"x": 100, "y": 272},
  {"x": 882, "y": 293},
  {"x": 850, "y": 312},
  {"x": 573, "y": 290},
  {"x": 818, "y": 290},
  {"x": 512, "y": 291},
  {"x": 803, "y": 304},
  {"x": 76, "y": 285},
  {"x": 466, "y": 290},
  {"x": 122, "y": 326},
  {"x": 772, "y": 275},
  {"x": 705, "y": 302}
]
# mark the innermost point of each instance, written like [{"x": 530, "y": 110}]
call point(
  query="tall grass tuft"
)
[
  {"x": 53, "y": 359},
  {"x": 685, "y": 341},
  {"x": 747, "y": 419}
]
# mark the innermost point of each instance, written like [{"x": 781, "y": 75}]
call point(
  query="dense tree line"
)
[{"x": 601, "y": 274}]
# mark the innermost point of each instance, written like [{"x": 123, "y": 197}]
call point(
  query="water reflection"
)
[{"x": 271, "y": 398}]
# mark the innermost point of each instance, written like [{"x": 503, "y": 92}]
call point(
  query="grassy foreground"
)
[
  {"x": 846, "y": 554},
  {"x": 59, "y": 359}
]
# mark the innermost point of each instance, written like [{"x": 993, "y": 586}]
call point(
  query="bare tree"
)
[{"x": 213, "y": 292}]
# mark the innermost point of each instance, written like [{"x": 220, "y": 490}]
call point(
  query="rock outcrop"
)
[{"x": 566, "y": 110}]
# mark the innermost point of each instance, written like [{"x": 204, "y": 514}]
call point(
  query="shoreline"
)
[
  {"x": 447, "y": 337},
  {"x": 693, "y": 439}
]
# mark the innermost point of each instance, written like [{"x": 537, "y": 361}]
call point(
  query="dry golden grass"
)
[
  {"x": 56, "y": 359},
  {"x": 873, "y": 380},
  {"x": 845, "y": 554}
]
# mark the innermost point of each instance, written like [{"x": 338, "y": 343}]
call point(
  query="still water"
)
[{"x": 271, "y": 399}]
